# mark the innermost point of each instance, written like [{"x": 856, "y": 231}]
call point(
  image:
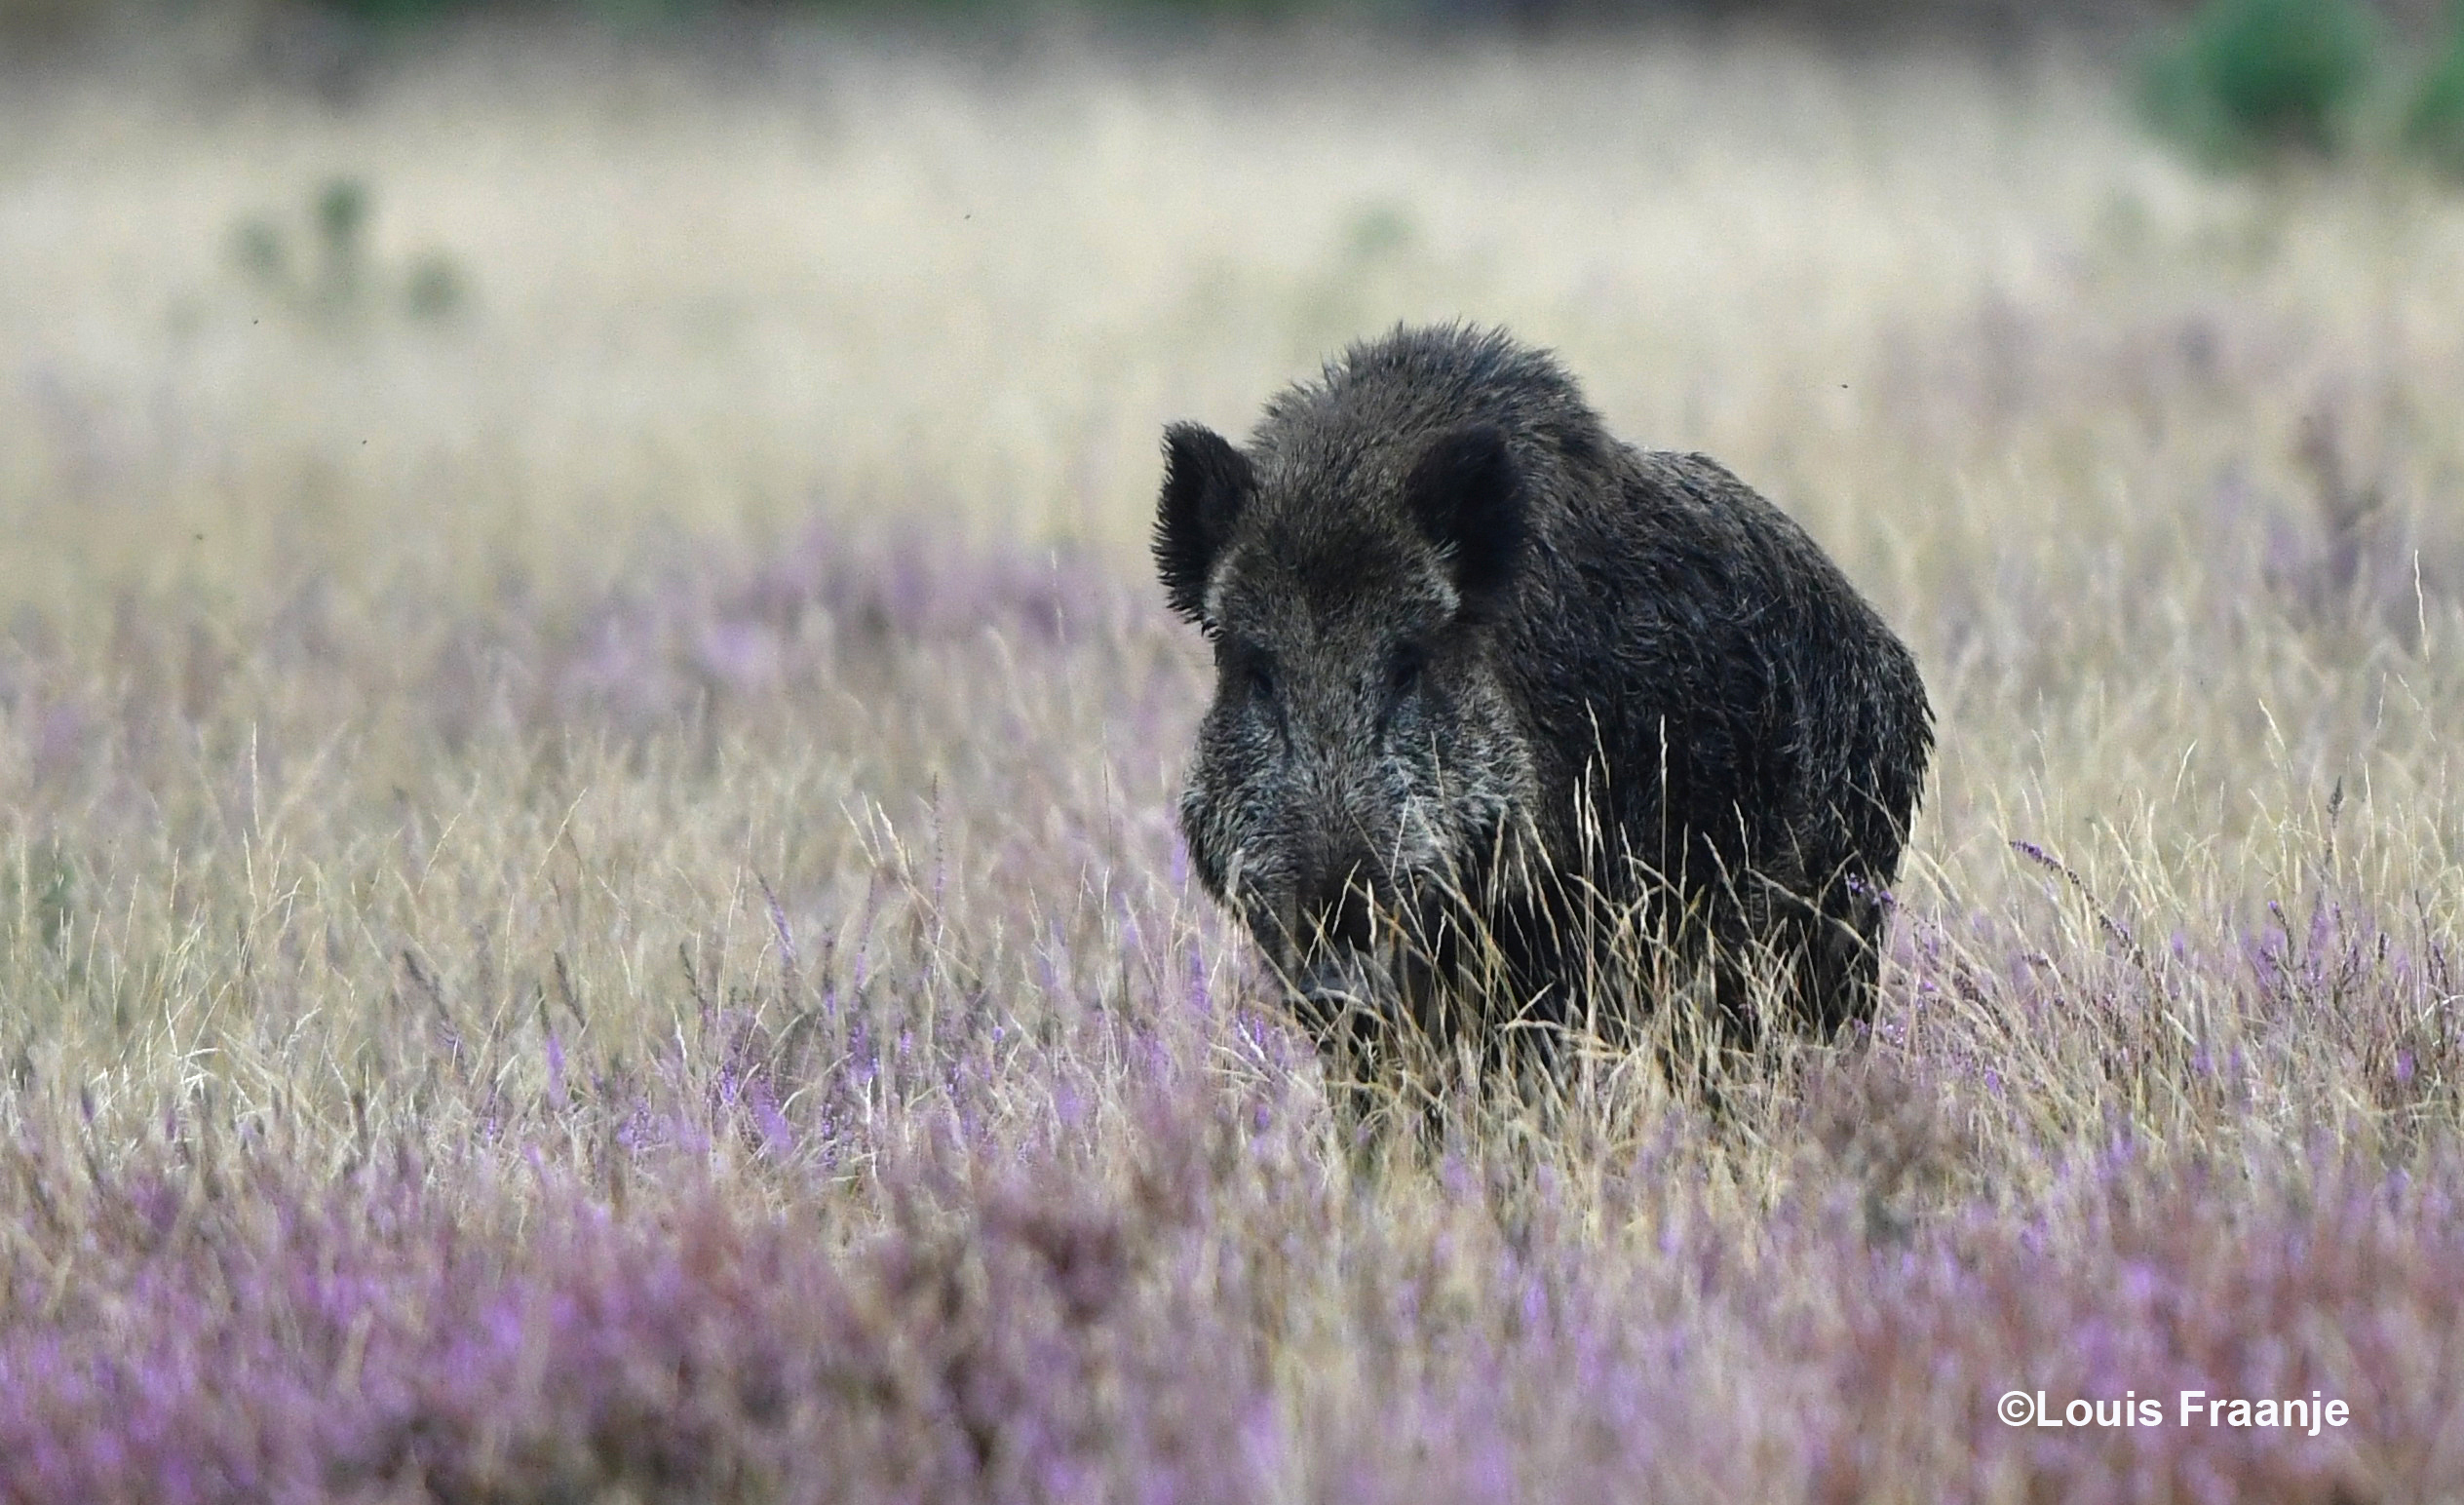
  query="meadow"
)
[{"x": 588, "y": 902}]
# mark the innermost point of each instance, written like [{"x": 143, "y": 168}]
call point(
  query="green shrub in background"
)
[
  {"x": 2256, "y": 79},
  {"x": 340, "y": 281},
  {"x": 2433, "y": 130}
]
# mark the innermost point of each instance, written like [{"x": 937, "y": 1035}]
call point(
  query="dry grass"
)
[{"x": 628, "y": 823}]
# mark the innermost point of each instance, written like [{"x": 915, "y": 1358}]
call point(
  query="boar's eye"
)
[
  {"x": 1403, "y": 673},
  {"x": 1246, "y": 669}
]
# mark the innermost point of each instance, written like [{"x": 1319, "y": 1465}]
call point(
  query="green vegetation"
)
[
  {"x": 339, "y": 278},
  {"x": 2253, "y": 79},
  {"x": 2433, "y": 130}
]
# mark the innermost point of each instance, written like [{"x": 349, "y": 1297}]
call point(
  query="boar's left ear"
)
[
  {"x": 1206, "y": 484},
  {"x": 1468, "y": 497}
]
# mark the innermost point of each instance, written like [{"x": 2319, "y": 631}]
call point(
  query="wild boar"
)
[{"x": 1485, "y": 673}]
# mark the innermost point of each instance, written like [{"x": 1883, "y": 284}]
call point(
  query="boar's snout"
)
[
  {"x": 1338, "y": 987},
  {"x": 1333, "y": 900}
]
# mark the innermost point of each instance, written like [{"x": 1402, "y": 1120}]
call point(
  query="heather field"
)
[{"x": 588, "y": 902}]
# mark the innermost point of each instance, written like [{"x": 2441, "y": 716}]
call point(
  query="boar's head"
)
[{"x": 1363, "y": 765}]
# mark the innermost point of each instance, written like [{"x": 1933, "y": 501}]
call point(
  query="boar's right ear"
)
[
  {"x": 1206, "y": 484},
  {"x": 1468, "y": 497}
]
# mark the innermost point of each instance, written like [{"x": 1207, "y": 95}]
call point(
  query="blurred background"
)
[
  {"x": 394, "y": 352},
  {"x": 340, "y": 20},
  {"x": 622, "y": 254}
]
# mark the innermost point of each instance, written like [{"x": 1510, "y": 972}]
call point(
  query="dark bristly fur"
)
[{"x": 1484, "y": 669}]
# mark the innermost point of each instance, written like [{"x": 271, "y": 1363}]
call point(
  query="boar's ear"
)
[
  {"x": 1467, "y": 498},
  {"x": 1206, "y": 483}
]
